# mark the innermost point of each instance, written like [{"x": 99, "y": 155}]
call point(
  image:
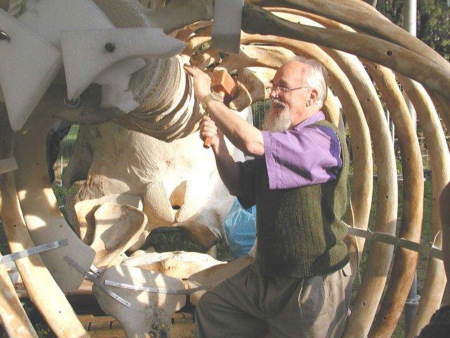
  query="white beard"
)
[{"x": 277, "y": 122}]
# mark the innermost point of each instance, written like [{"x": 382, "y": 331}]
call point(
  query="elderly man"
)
[{"x": 299, "y": 283}]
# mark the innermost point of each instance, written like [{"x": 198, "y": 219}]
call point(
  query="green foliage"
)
[
  {"x": 61, "y": 193},
  {"x": 392, "y": 9},
  {"x": 179, "y": 241},
  {"x": 4, "y": 248},
  {"x": 434, "y": 25},
  {"x": 433, "y": 21},
  {"x": 258, "y": 110}
]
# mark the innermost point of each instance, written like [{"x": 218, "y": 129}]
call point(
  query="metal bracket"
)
[
  {"x": 427, "y": 249},
  {"x": 93, "y": 277},
  {"x": 33, "y": 251},
  {"x": 154, "y": 289}
]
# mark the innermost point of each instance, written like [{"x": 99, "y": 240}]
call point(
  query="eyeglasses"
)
[{"x": 282, "y": 89}]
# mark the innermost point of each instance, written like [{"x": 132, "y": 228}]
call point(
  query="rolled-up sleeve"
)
[{"x": 297, "y": 158}]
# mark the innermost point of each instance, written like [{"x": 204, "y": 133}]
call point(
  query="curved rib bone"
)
[
  {"x": 41, "y": 287},
  {"x": 405, "y": 261},
  {"x": 38, "y": 202},
  {"x": 379, "y": 261},
  {"x": 439, "y": 162},
  {"x": 374, "y": 49},
  {"x": 364, "y": 18},
  {"x": 12, "y": 315}
]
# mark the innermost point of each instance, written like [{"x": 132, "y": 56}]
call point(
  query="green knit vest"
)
[{"x": 300, "y": 232}]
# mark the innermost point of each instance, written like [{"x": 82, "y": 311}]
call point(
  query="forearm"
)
[
  {"x": 227, "y": 167},
  {"x": 242, "y": 134}
]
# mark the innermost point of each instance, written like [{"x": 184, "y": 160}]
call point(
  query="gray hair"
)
[{"x": 316, "y": 78}]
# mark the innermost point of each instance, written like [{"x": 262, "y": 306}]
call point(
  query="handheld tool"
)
[{"x": 222, "y": 83}]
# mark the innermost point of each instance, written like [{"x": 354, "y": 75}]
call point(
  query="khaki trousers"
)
[{"x": 252, "y": 305}]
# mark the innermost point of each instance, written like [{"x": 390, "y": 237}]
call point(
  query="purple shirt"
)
[{"x": 303, "y": 156}]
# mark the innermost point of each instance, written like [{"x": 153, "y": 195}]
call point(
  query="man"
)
[{"x": 299, "y": 283}]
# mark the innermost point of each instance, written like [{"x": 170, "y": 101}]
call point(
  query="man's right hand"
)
[
  {"x": 202, "y": 82},
  {"x": 209, "y": 129}
]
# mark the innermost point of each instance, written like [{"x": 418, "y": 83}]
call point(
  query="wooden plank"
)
[{"x": 117, "y": 333}]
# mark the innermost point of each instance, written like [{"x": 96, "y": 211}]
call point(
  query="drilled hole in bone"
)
[
  {"x": 176, "y": 199},
  {"x": 389, "y": 53}
]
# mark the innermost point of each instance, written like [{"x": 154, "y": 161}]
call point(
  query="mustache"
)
[{"x": 278, "y": 103}]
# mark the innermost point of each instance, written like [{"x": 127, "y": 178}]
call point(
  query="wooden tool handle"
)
[
  {"x": 207, "y": 143},
  {"x": 223, "y": 83}
]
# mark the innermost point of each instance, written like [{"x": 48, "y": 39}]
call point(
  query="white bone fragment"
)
[
  {"x": 116, "y": 227},
  {"x": 7, "y": 165},
  {"x": 12, "y": 315},
  {"x": 49, "y": 18},
  {"x": 85, "y": 210},
  {"x": 177, "y": 264},
  {"x": 28, "y": 65},
  {"x": 149, "y": 313},
  {"x": 227, "y": 22},
  {"x": 88, "y": 53}
]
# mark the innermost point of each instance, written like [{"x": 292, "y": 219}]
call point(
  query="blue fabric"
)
[{"x": 240, "y": 229}]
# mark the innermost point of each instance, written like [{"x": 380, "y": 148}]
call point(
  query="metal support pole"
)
[
  {"x": 411, "y": 306},
  {"x": 410, "y": 24},
  {"x": 410, "y": 16}
]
